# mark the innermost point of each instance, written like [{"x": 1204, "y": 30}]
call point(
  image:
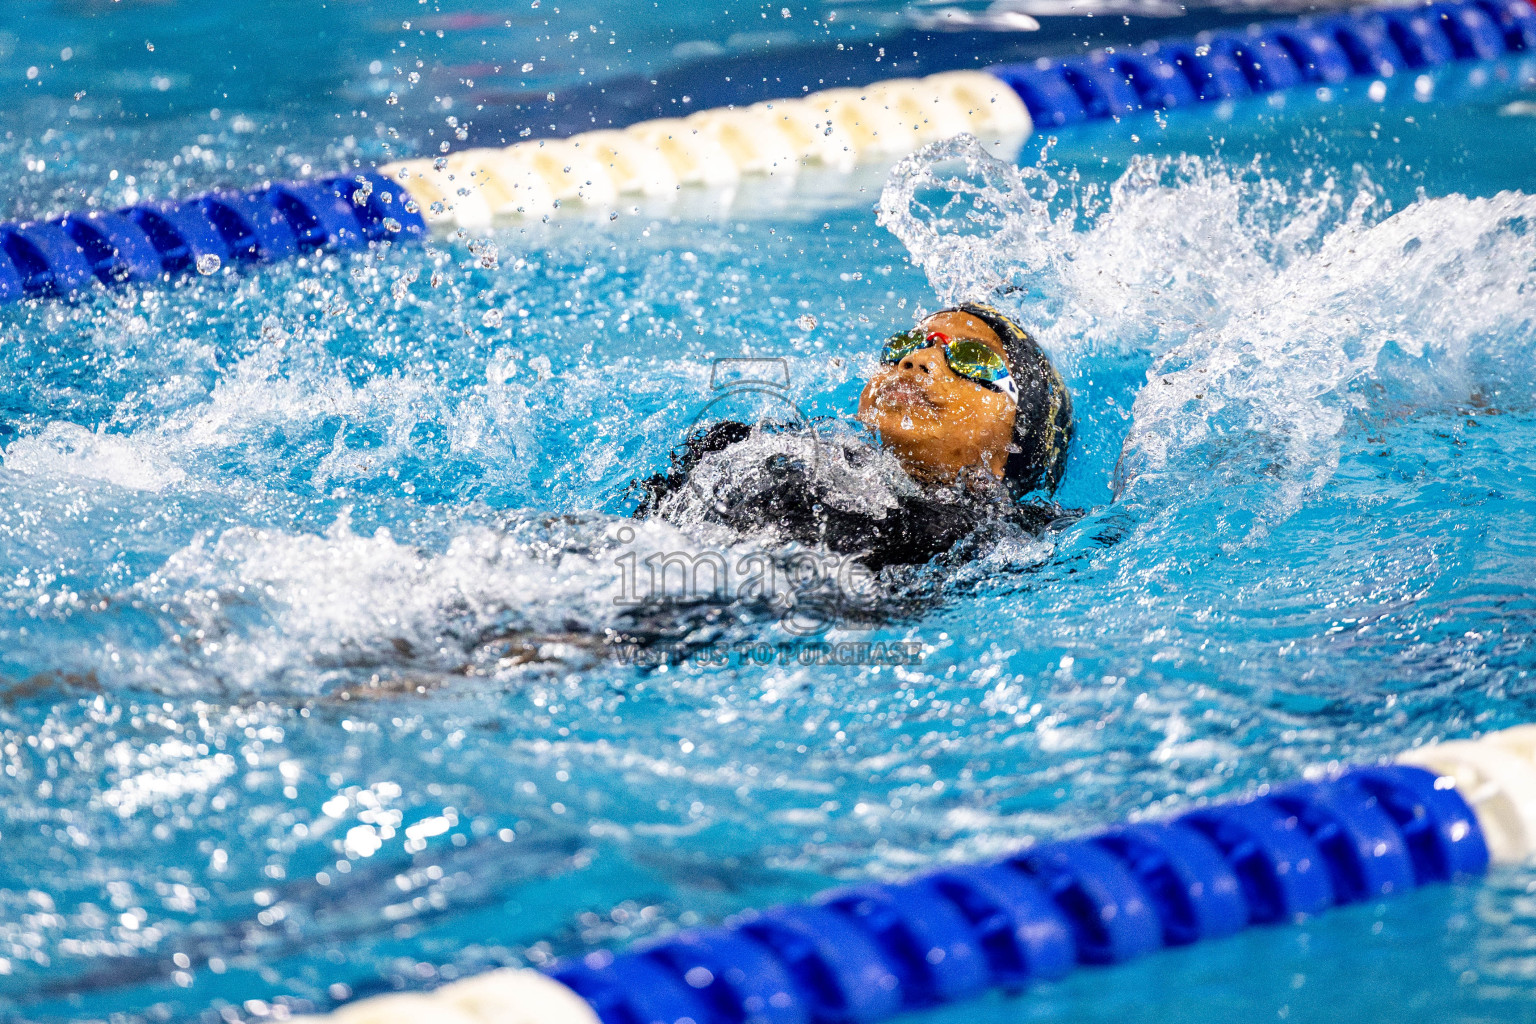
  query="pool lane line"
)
[
  {"x": 842, "y": 127},
  {"x": 867, "y": 952},
  {"x": 1370, "y": 42},
  {"x": 835, "y": 128},
  {"x": 838, "y": 128},
  {"x": 68, "y": 255}
]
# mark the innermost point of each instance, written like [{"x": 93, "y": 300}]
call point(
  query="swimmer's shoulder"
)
[{"x": 697, "y": 446}]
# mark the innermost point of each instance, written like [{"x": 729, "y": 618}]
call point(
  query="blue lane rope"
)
[
  {"x": 68, "y": 255},
  {"x": 1268, "y": 58},
  {"x": 863, "y": 954}
]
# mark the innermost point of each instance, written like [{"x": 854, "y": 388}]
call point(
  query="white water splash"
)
[
  {"x": 271, "y": 612},
  {"x": 261, "y": 610},
  {"x": 871, "y": 484},
  {"x": 1261, "y": 309},
  {"x": 70, "y": 450},
  {"x": 975, "y": 224}
]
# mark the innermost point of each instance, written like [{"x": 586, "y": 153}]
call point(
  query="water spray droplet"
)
[
  {"x": 906, "y": 423},
  {"x": 806, "y": 322},
  {"x": 208, "y": 263}
]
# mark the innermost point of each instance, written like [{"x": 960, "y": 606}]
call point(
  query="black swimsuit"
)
[{"x": 815, "y": 485}]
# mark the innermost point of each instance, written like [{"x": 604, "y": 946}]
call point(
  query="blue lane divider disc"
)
[
  {"x": 1111, "y": 916},
  {"x": 1282, "y": 871},
  {"x": 923, "y": 936},
  {"x": 1316, "y": 53},
  {"x": 12, "y": 285},
  {"x": 180, "y": 233},
  {"x": 318, "y": 214},
  {"x": 1366, "y": 43},
  {"x": 740, "y": 980},
  {"x": 1419, "y": 39},
  {"x": 1472, "y": 34},
  {"x": 1022, "y": 932},
  {"x": 116, "y": 248},
  {"x": 47, "y": 259},
  {"x": 840, "y": 970},
  {"x": 1159, "y": 84},
  {"x": 383, "y": 210},
  {"x": 251, "y": 227},
  {"x": 1052, "y": 103},
  {"x": 1196, "y": 894},
  {"x": 1266, "y": 65},
  {"x": 1365, "y": 852},
  {"x": 1213, "y": 76},
  {"x": 1103, "y": 92},
  {"x": 631, "y": 989},
  {"x": 1440, "y": 830},
  {"x": 1516, "y": 19}
]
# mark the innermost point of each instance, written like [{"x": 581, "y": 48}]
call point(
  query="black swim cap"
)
[{"x": 1042, "y": 427}]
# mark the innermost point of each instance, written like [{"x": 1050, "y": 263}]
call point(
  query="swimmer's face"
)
[{"x": 936, "y": 422}]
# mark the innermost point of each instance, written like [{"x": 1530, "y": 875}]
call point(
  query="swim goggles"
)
[{"x": 974, "y": 360}]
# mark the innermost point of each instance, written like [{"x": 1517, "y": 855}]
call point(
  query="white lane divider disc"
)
[
  {"x": 991, "y": 104},
  {"x": 837, "y": 128},
  {"x": 697, "y": 158},
  {"x": 511, "y": 996},
  {"x": 634, "y": 166},
  {"x": 444, "y": 194},
  {"x": 753, "y": 138},
  {"x": 507, "y": 182},
  {"x": 927, "y": 114},
  {"x": 1497, "y": 783},
  {"x": 570, "y": 171}
]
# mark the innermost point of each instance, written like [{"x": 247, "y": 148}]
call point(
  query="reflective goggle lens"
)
[
  {"x": 969, "y": 358},
  {"x": 975, "y": 360},
  {"x": 902, "y": 345}
]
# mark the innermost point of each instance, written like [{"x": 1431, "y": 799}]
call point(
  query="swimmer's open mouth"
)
[{"x": 901, "y": 391}]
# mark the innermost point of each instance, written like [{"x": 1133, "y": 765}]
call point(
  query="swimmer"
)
[
  {"x": 960, "y": 433},
  {"x": 966, "y": 403}
]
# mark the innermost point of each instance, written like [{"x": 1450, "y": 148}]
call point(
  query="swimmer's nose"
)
[{"x": 922, "y": 360}]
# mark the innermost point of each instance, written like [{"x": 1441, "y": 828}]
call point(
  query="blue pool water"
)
[{"x": 298, "y": 566}]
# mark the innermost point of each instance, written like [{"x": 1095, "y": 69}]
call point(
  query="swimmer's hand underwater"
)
[{"x": 970, "y": 408}]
